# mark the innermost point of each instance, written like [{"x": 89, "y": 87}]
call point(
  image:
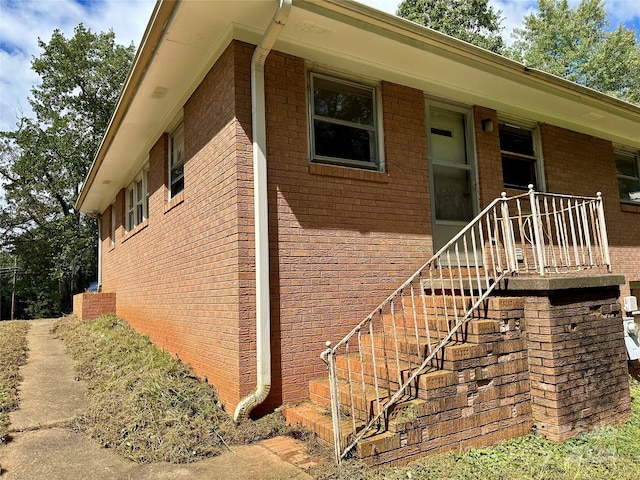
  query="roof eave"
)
[{"x": 160, "y": 17}]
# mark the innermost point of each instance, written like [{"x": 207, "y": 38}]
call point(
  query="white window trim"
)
[
  {"x": 137, "y": 209},
  {"x": 178, "y": 131},
  {"x": 113, "y": 223},
  {"x": 534, "y": 128},
  {"x": 379, "y": 165},
  {"x": 628, "y": 153}
]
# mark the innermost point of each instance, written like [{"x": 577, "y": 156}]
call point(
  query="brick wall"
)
[
  {"x": 341, "y": 239},
  {"x": 583, "y": 165},
  {"x": 488, "y": 156},
  {"x": 181, "y": 276},
  {"x": 87, "y": 306},
  {"x": 577, "y": 361}
]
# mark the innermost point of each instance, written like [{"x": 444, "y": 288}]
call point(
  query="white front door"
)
[{"x": 452, "y": 171}]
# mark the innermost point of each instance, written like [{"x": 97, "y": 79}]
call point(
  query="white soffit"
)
[
  {"x": 387, "y": 52},
  {"x": 348, "y": 37}
]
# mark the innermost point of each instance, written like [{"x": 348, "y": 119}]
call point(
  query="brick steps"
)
[
  {"x": 473, "y": 332},
  {"x": 455, "y": 356},
  {"x": 493, "y": 309},
  {"x": 430, "y": 386},
  {"x": 476, "y": 391},
  {"x": 316, "y": 418},
  {"x": 441, "y": 325}
]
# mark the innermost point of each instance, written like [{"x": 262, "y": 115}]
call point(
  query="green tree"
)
[
  {"x": 576, "y": 44},
  {"x": 473, "y": 21},
  {"x": 44, "y": 161}
]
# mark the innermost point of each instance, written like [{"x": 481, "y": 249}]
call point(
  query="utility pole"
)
[{"x": 13, "y": 290}]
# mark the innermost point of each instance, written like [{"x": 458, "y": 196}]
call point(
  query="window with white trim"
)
[
  {"x": 176, "y": 161},
  {"x": 343, "y": 123},
  {"x": 628, "y": 174},
  {"x": 520, "y": 158},
  {"x": 113, "y": 223},
  {"x": 137, "y": 201}
]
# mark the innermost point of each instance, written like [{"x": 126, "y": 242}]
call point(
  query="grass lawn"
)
[
  {"x": 13, "y": 353},
  {"x": 149, "y": 407},
  {"x": 145, "y": 404}
]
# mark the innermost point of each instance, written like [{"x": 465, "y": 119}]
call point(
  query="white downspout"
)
[
  {"x": 260, "y": 205},
  {"x": 99, "y": 219}
]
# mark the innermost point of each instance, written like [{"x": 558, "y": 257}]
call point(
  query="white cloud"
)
[
  {"x": 389, "y": 6},
  {"x": 513, "y": 13},
  {"x": 15, "y": 86},
  {"x": 22, "y": 22},
  {"x": 624, "y": 11}
]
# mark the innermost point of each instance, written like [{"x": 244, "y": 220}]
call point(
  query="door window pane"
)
[
  {"x": 448, "y": 144},
  {"x": 453, "y": 198}
]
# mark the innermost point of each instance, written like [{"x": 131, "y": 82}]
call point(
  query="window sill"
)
[
  {"x": 348, "y": 172},
  {"x": 174, "y": 202},
  {"x": 135, "y": 231},
  {"x": 629, "y": 208}
]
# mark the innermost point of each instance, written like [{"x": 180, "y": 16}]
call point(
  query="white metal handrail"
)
[{"x": 382, "y": 356}]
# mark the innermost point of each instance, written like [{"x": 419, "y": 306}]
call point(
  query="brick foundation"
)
[{"x": 91, "y": 305}]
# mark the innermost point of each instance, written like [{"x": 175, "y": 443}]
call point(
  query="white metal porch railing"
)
[{"x": 381, "y": 358}]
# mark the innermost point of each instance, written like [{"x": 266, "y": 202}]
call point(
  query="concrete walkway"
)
[{"x": 42, "y": 447}]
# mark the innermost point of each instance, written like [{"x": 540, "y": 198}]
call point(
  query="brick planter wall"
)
[{"x": 91, "y": 305}]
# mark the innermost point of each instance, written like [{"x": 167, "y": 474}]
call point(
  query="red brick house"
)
[{"x": 330, "y": 166}]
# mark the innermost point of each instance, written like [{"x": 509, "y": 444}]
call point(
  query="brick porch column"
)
[{"x": 577, "y": 358}]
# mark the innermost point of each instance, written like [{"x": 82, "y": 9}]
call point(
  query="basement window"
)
[
  {"x": 176, "y": 161},
  {"x": 628, "y": 174},
  {"x": 343, "y": 121},
  {"x": 519, "y": 157}
]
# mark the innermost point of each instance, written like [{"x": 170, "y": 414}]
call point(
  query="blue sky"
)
[{"x": 22, "y": 22}]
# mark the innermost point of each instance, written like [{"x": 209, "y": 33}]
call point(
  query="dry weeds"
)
[
  {"x": 13, "y": 354},
  {"x": 147, "y": 405}
]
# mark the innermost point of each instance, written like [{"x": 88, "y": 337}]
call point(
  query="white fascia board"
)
[{"x": 346, "y": 35}]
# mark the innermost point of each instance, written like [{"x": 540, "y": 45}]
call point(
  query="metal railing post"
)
[
  {"x": 329, "y": 356},
  {"x": 507, "y": 234},
  {"x": 604, "y": 240},
  {"x": 538, "y": 240}
]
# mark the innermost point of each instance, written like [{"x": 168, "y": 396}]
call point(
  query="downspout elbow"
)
[
  {"x": 251, "y": 401},
  {"x": 263, "y": 316}
]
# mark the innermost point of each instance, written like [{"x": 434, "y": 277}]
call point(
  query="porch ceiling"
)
[{"x": 184, "y": 39}]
